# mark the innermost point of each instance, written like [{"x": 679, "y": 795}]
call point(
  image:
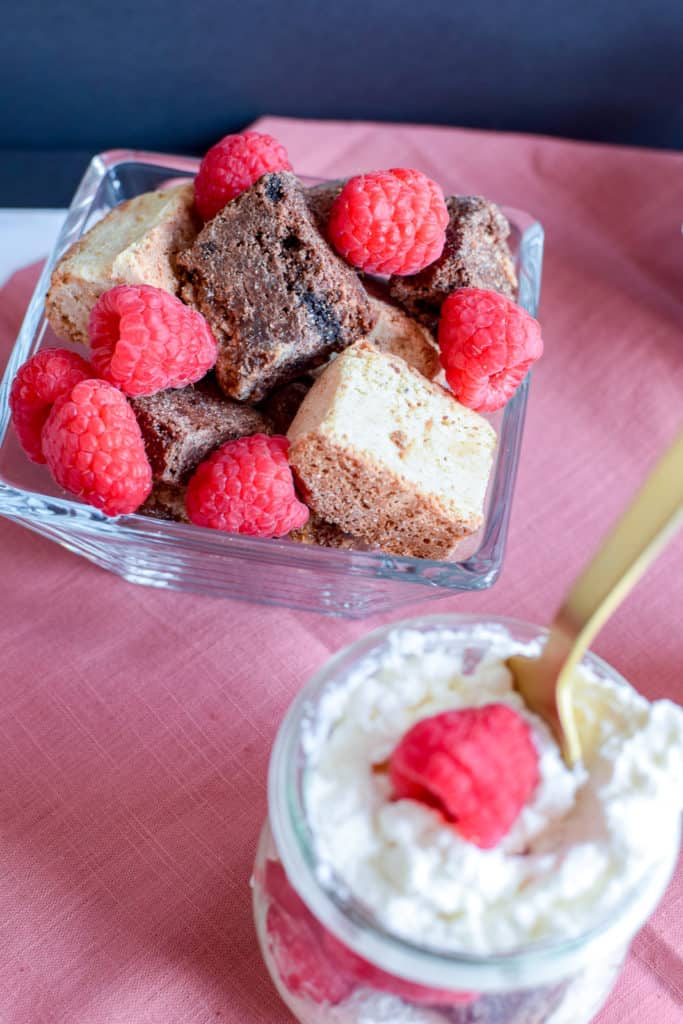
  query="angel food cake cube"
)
[
  {"x": 398, "y": 334},
  {"x": 390, "y": 457},
  {"x": 136, "y": 243}
]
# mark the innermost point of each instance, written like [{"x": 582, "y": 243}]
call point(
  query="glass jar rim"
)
[{"x": 355, "y": 926}]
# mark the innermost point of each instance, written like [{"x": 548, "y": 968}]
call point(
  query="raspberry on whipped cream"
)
[
  {"x": 387, "y": 909},
  {"x": 583, "y": 840},
  {"x": 476, "y": 766}
]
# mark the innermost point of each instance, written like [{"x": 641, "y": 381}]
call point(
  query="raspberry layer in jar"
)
[{"x": 371, "y": 908}]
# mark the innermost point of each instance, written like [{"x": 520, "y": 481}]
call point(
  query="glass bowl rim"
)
[{"x": 476, "y": 572}]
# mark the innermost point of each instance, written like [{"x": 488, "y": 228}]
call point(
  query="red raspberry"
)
[
  {"x": 389, "y": 222},
  {"x": 246, "y": 486},
  {"x": 233, "y": 165},
  {"x": 477, "y": 767},
  {"x": 312, "y": 962},
  {"x": 46, "y": 377},
  {"x": 301, "y": 963},
  {"x": 487, "y": 345},
  {"x": 294, "y": 938},
  {"x": 365, "y": 973},
  {"x": 94, "y": 448},
  {"x": 143, "y": 339},
  {"x": 279, "y": 890}
]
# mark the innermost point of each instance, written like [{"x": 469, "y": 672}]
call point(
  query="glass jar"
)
[{"x": 333, "y": 962}]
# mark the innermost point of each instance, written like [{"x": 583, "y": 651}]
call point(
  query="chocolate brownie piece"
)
[
  {"x": 278, "y": 298},
  {"x": 316, "y": 531},
  {"x": 531, "y": 1006},
  {"x": 320, "y": 199},
  {"x": 181, "y": 426},
  {"x": 282, "y": 405},
  {"x": 166, "y": 501},
  {"x": 475, "y": 255}
]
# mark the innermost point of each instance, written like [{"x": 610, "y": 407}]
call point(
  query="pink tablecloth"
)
[{"x": 135, "y": 725}]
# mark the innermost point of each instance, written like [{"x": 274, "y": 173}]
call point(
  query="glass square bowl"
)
[{"x": 282, "y": 572}]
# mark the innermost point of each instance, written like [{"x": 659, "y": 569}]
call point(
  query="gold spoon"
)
[{"x": 639, "y": 535}]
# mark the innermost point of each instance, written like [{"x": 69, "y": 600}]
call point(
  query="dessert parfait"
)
[
  {"x": 429, "y": 856},
  {"x": 254, "y": 355}
]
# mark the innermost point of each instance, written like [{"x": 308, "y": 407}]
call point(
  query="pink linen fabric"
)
[{"x": 135, "y": 725}]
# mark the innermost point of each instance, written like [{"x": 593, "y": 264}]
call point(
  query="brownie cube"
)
[
  {"x": 279, "y": 300},
  {"x": 282, "y": 405},
  {"x": 167, "y": 502},
  {"x": 326, "y": 535},
  {"x": 475, "y": 255},
  {"x": 182, "y": 426},
  {"x": 320, "y": 199}
]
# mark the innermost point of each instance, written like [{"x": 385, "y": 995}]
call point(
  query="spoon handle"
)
[{"x": 639, "y": 535}]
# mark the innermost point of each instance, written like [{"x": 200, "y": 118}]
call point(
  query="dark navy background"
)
[{"x": 77, "y": 78}]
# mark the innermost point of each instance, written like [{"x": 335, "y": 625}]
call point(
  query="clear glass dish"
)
[
  {"x": 167, "y": 554},
  {"x": 359, "y": 972}
]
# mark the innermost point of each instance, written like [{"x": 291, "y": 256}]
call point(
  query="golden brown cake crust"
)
[
  {"x": 401, "y": 335},
  {"x": 389, "y": 457},
  {"x": 390, "y": 514},
  {"x": 397, "y": 334}
]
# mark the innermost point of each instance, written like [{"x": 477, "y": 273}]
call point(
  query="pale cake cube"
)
[
  {"x": 135, "y": 243},
  {"x": 390, "y": 457},
  {"x": 398, "y": 334}
]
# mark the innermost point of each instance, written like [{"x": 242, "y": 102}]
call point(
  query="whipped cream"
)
[
  {"x": 368, "y": 1007},
  {"x": 584, "y": 841}
]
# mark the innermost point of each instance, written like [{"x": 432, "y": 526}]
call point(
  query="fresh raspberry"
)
[
  {"x": 246, "y": 486},
  {"x": 487, "y": 345},
  {"x": 302, "y": 964},
  {"x": 93, "y": 447},
  {"x": 389, "y": 222},
  {"x": 233, "y": 165},
  {"x": 304, "y": 951},
  {"x": 476, "y": 766},
  {"x": 294, "y": 939},
  {"x": 143, "y": 339},
  {"x": 279, "y": 890},
  {"x": 364, "y": 973},
  {"x": 46, "y": 377}
]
